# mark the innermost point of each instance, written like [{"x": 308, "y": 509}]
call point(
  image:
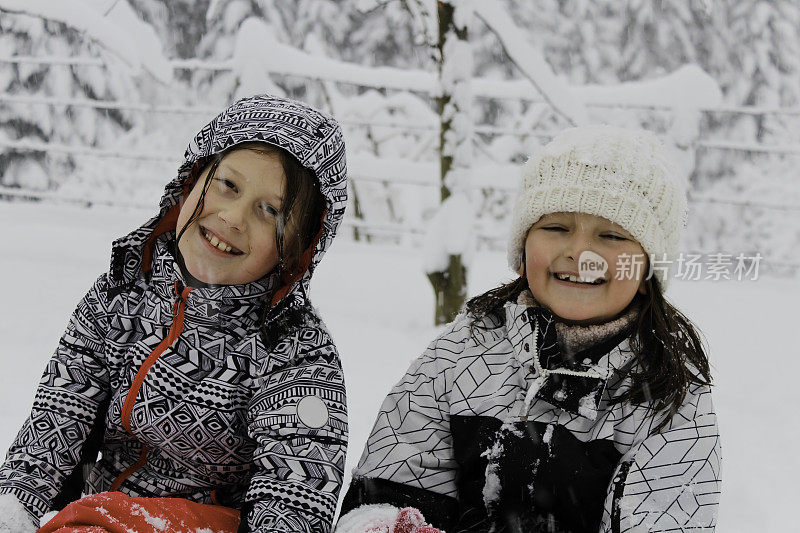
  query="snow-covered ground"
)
[{"x": 378, "y": 305}]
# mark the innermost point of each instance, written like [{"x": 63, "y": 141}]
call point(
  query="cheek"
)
[
  {"x": 527, "y": 257},
  {"x": 537, "y": 263},
  {"x": 265, "y": 251},
  {"x": 183, "y": 215},
  {"x": 537, "y": 271},
  {"x": 629, "y": 271},
  {"x": 187, "y": 206}
]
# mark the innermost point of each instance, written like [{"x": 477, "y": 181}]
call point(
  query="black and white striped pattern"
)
[
  {"x": 219, "y": 409},
  {"x": 668, "y": 481}
]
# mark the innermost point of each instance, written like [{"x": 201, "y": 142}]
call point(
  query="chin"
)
[
  {"x": 203, "y": 274},
  {"x": 580, "y": 321},
  {"x": 578, "y": 318}
]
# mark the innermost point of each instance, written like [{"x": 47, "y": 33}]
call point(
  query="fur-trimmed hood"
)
[{"x": 313, "y": 138}]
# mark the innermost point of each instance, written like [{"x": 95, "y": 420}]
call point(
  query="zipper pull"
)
[{"x": 177, "y": 289}]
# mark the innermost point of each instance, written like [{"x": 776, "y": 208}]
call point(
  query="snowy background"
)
[
  {"x": 98, "y": 99},
  {"x": 57, "y": 251}
]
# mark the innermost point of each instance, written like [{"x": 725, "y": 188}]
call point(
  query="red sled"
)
[{"x": 115, "y": 512}]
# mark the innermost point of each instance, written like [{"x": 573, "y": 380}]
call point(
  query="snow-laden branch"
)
[
  {"x": 119, "y": 31},
  {"x": 687, "y": 87},
  {"x": 637, "y": 94},
  {"x": 257, "y": 43},
  {"x": 424, "y": 12},
  {"x": 531, "y": 62}
]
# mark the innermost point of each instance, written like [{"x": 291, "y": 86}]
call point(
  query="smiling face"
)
[
  {"x": 575, "y": 288},
  {"x": 234, "y": 239}
]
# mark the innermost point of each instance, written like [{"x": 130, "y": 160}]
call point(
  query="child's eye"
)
[
  {"x": 267, "y": 210},
  {"x": 554, "y": 228},
  {"x": 614, "y": 237},
  {"x": 226, "y": 186}
]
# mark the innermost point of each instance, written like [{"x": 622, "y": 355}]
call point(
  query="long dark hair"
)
[
  {"x": 666, "y": 344},
  {"x": 303, "y": 203}
]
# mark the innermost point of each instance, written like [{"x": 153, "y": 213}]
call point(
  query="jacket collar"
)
[
  {"x": 238, "y": 308},
  {"x": 579, "y": 388}
]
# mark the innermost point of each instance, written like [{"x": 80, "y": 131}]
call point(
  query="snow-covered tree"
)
[
  {"x": 449, "y": 230},
  {"x": 39, "y": 112},
  {"x": 180, "y": 24},
  {"x": 246, "y": 32}
]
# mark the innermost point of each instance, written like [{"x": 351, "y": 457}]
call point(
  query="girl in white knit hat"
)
[{"x": 573, "y": 399}]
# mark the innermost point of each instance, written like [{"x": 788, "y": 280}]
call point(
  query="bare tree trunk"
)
[
  {"x": 455, "y": 139},
  {"x": 358, "y": 214},
  {"x": 450, "y": 288}
]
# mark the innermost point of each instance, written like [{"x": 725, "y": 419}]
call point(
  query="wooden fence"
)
[{"x": 362, "y": 169}]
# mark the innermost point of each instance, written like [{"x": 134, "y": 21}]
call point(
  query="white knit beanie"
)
[{"x": 619, "y": 174}]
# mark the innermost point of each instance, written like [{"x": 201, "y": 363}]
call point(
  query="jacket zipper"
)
[{"x": 175, "y": 330}]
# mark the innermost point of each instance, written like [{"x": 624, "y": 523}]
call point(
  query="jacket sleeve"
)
[
  {"x": 298, "y": 419},
  {"x": 408, "y": 458},
  {"x": 72, "y": 391},
  {"x": 670, "y": 481}
]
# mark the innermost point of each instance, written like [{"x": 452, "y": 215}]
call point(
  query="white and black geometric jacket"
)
[
  {"x": 479, "y": 439},
  {"x": 221, "y": 410}
]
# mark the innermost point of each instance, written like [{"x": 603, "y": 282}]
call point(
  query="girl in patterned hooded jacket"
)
[
  {"x": 573, "y": 399},
  {"x": 195, "y": 387}
]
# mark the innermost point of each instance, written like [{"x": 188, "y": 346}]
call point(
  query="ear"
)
[
  {"x": 642, "y": 287},
  {"x": 521, "y": 269}
]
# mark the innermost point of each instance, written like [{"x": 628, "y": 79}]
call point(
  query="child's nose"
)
[
  {"x": 234, "y": 215},
  {"x": 576, "y": 245}
]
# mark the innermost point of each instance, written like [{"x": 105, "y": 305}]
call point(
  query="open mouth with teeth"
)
[
  {"x": 578, "y": 279},
  {"x": 218, "y": 244}
]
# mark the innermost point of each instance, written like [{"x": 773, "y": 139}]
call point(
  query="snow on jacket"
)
[
  {"x": 244, "y": 406},
  {"x": 478, "y": 439}
]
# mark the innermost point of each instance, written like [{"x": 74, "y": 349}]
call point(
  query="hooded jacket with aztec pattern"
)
[{"x": 216, "y": 415}]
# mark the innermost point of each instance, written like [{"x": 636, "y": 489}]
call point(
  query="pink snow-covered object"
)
[
  {"x": 410, "y": 520},
  {"x": 384, "y": 518}
]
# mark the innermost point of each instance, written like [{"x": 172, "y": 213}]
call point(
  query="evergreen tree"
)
[
  {"x": 56, "y": 124},
  {"x": 180, "y": 24}
]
